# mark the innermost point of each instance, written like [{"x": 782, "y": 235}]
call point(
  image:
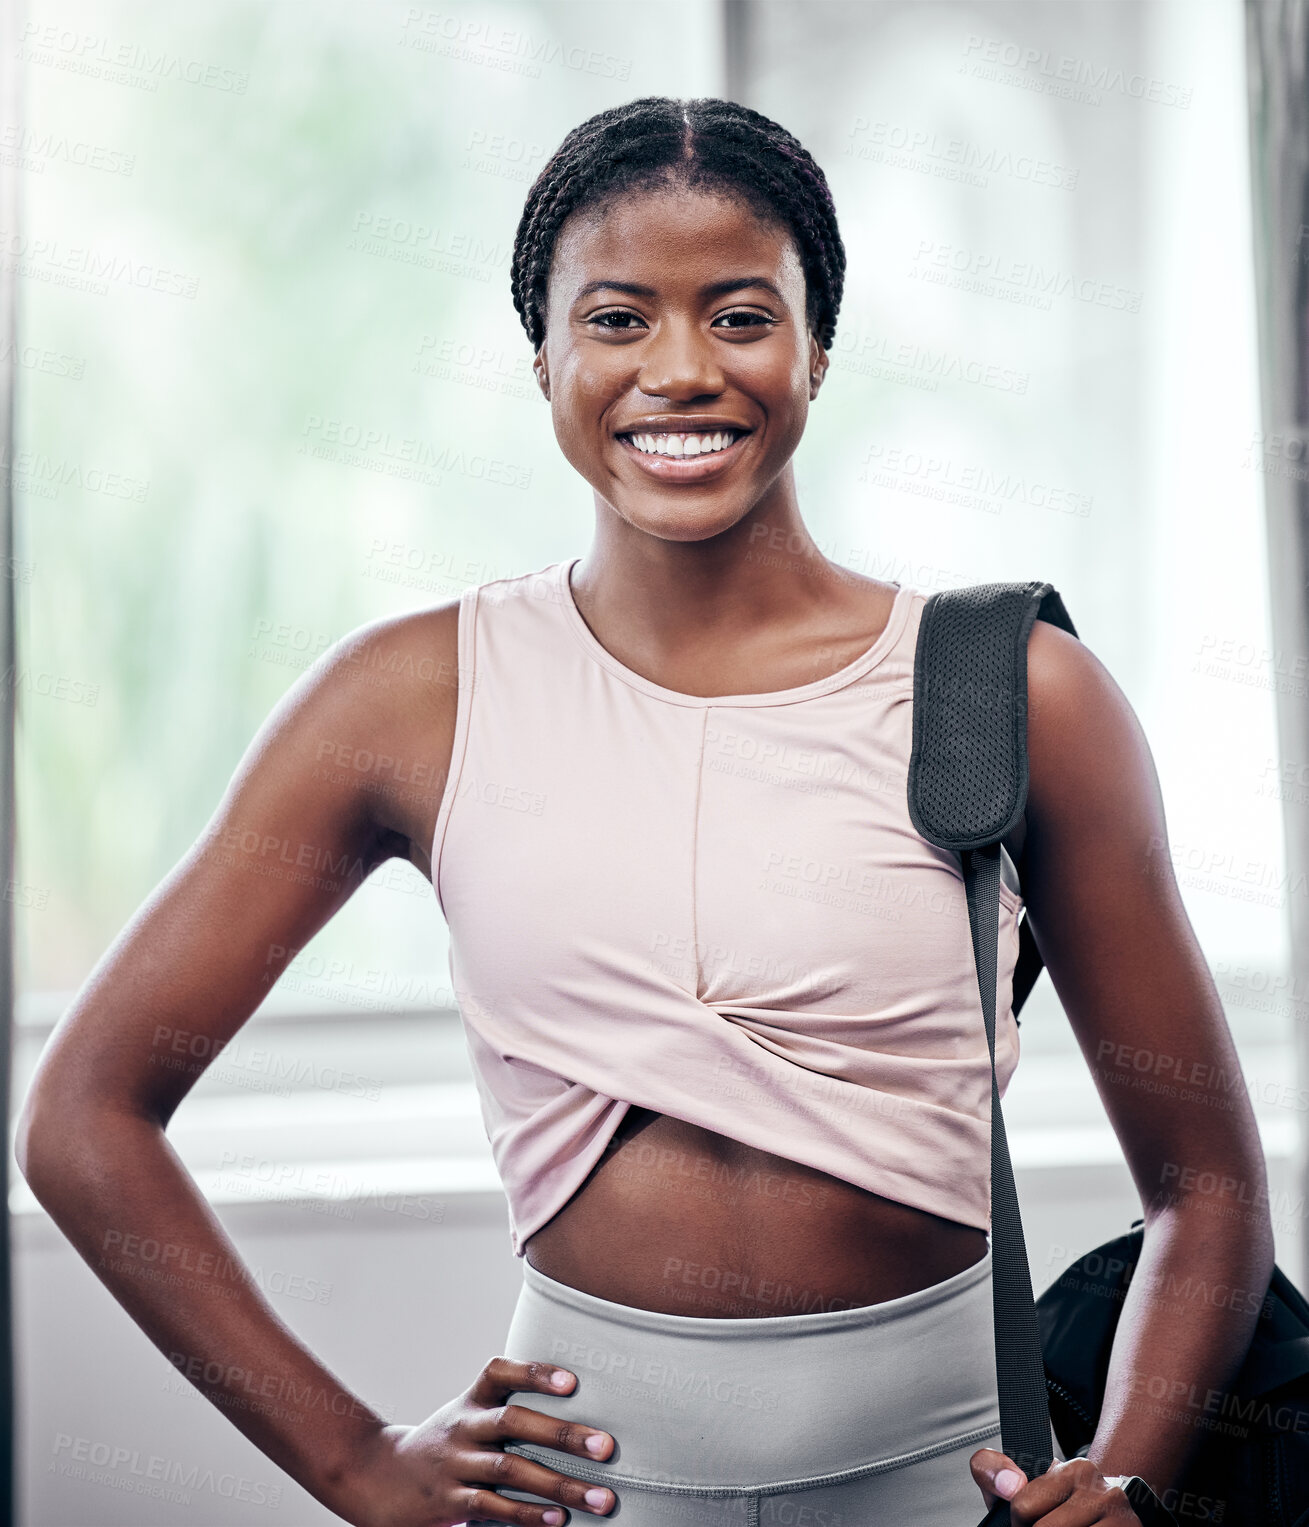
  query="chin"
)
[
  {"x": 671, "y": 521},
  {"x": 689, "y": 525}
]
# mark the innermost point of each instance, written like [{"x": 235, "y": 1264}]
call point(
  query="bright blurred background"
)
[{"x": 273, "y": 386}]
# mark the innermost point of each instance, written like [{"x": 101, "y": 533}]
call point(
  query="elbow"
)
[
  {"x": 33, "y": 1145},
  {"x": 54, "y": 1141},
  {"x": 1221, "y": 1213},
  {"x": 65, "y": 1139}
]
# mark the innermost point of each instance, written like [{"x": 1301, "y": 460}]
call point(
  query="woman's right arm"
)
[{"x": 299, "y": 828}]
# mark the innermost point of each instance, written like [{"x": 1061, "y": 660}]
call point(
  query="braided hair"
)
[{"x": 705, "y": 144}]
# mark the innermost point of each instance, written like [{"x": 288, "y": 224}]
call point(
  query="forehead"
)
[{"x": 672, "y": 240}]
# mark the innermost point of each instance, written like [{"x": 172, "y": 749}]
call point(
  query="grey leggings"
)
[{"x": 836, "y": 1418}]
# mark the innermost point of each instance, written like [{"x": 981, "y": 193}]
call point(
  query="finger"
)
[
  {"x": 510, "y": 1471},
  {"x": 1076, "y": 1513},
  {"x": 518, "y": 1423},
  {"x": 1071, "y": 1494},
  {"x": 996, "y": 1475},
  {"x": 502, "y": 1375},
  {"x": 483, "y": 1508}
]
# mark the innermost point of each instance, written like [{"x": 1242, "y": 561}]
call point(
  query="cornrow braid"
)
[{"x": 706, "y": 143}]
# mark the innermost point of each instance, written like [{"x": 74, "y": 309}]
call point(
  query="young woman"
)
[{"x": 719, "y": 994}]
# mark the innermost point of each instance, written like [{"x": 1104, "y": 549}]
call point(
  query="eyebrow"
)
[{"x": 713, "y": 289}]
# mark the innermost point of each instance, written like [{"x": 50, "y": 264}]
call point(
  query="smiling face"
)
[{"x": 677, "y": 359}]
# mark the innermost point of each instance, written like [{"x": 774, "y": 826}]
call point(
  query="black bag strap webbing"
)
[
  {"x": 967, "y": 789},
  {"x": 1025, "y": 1432},
  {"x": 968, "y": 782}
]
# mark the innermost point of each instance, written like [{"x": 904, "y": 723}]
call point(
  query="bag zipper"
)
[
  {"x": 1072, "y": 1404},
  {"x": 1273, "y": 1480}
]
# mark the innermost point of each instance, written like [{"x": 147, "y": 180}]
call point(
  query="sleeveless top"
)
[{"x": 713, "y": 907}]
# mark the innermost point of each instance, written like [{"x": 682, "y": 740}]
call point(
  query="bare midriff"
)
[{"x": 682, "y": 1220}]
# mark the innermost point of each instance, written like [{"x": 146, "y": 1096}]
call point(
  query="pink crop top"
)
[{"x": 713, "y": 907}]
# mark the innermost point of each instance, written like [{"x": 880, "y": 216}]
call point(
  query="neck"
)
[{"x": 763, "y": 570}]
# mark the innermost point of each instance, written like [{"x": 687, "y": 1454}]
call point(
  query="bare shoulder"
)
[
  {"x": 1063, "y": 675},
  {"x": 385, "y": 706},
  {"x": 1089, "y": 758}
]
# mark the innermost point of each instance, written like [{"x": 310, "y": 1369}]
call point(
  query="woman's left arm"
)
[{"x": 1109, "y": 921}]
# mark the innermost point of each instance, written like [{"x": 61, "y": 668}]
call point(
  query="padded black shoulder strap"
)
[
  {"x": 968, "y": 763},
  {"x": 967, "y": 789}
]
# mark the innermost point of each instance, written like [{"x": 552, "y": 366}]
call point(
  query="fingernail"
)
[
  {"x": 597, "y": 1498},
  {"x": 552, "y": 1517},
  {"x": 595, "y": 1443},
  {"x": 559, "y": 1378},
  {"x": 1007, "y": 1483}
]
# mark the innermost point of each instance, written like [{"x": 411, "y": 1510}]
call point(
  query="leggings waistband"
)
[{"x": 712, "y": 1403}]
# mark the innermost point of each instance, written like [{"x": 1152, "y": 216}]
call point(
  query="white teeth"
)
[{"x": 683, "y": 445}]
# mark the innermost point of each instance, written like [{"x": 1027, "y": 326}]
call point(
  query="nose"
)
[{"x": 678, "y": 362}]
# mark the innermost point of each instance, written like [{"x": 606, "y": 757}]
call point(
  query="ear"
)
[
  {"x": 818, "y": 360},
  {"x": 542, "y": 373}
]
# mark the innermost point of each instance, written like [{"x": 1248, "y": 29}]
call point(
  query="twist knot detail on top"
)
[{"x": 714, "y": 907}]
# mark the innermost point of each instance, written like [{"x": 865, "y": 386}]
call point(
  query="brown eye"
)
[
  {"x": 601, "y": 319},
  {"x": 756, "y": 320}
]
